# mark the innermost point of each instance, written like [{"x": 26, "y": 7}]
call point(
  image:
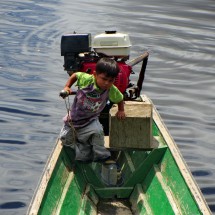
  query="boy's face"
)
[{"x": 104, "y": 82}]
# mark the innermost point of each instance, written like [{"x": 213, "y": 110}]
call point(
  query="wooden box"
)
[{"x": 136, "y": 130}]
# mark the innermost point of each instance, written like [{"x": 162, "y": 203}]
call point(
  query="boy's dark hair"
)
[{"x": 107, "y": 66}]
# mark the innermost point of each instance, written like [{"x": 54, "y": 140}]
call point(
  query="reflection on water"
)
[{"x": 180, "y": 80}]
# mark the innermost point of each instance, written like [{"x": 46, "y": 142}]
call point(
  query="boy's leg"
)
[
  {"x": 90, "y": 143},
  {"x": 100, "y": 153},
  {"x": 67, "y": 136},
  {"x": 83, "y": 149},
  {"x": 76, "y": 140},
  {"x": 83, "y": 152}
]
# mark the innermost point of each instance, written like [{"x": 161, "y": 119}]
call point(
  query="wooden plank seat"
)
[{"x": 154, "y": 145}]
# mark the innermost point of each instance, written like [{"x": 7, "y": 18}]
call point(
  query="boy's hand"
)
[
  {"x": 64, "y": 93},
  {"x": 120, "y": 115},
  {"x": 67, "y": 89}
]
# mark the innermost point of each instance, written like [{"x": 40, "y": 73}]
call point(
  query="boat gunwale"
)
[{"x": 37, "y": 198}]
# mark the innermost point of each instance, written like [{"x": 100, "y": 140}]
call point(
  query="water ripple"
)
[
  {"x": 11, "y": 110},
  {"x": 13, "y": 142},
  {"x": 179, "y": 80},
  {"x": 12, "y": 205}
]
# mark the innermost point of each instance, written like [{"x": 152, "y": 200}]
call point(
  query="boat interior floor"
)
[{"x": 107, "y": 207}]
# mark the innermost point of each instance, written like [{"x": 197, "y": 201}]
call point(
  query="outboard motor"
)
[
  {"x": 71, "y": 46},
  {"x": 112, "y": 44},
  {"x": 80, "y": 56}
]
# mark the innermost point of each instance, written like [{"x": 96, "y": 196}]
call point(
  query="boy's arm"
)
[
  {"x": 70, "y": 82},
  {"x": 120, "y": 113}
]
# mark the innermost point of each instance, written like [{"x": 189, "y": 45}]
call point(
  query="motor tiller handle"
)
[{"x": 64, "y": 93}]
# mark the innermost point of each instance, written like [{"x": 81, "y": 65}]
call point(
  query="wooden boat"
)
[
  {"x": 152, "y": 180},
  {"x": 155, "y": 182}
]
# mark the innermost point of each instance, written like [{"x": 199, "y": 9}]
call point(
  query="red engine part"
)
[{"x": 122, "y": 80}]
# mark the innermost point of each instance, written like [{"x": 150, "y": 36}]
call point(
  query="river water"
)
[{"x": 180, "y": 79}]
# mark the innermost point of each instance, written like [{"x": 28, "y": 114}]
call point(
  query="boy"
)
[{"x": 82, "y": 129}]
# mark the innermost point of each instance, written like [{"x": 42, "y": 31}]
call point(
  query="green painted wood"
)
[
  {"x": 127, "y": 166},
  {"x": 156, "y": 196},
  {"x": 55, "y": 186},
  {"x": 137, "y": 156},
  {"x": 139, "y": 206},
  {"x": 91, "y": 173},
  {"x": 112, "y": 192},
  {"x": 145, "y": 165},
  {"x": 175, "y": 181},
  {"x": 90, "y": 192},
  {"x": 155, "y": 130},
  {"x": 73, "y": 199},
  {"x": 87, "y": 207},
  {"x": 80, "y": 199}
]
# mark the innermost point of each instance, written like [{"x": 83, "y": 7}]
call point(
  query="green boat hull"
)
[{"x": 154, "y": 182}]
